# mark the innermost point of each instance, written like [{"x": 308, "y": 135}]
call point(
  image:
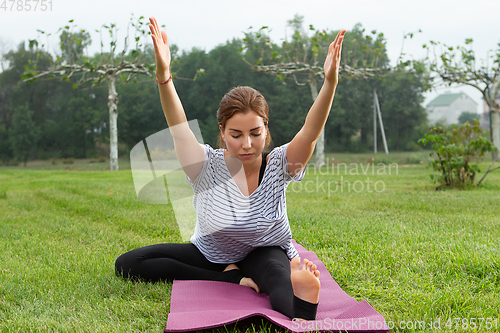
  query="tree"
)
[
  {"x": 14, "y": 93},
  {"x": 4, "y": 46},
  {"x": 303, "y": 56},
  {"x": 467, "y": 117},
  {"x": 459, "y": 66},
  {"x": 108, "y": 67},
  {"x": 23, "y": 134},
  {"x": 401, "y": 98}
]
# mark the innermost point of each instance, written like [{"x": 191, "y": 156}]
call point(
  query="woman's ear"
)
[{"x": 221, "y": 133}]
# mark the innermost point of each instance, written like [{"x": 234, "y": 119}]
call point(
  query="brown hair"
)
[{"x": 242, "y": 99}]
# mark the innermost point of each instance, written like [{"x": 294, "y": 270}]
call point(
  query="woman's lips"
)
[{"x": 246, "y": 155}]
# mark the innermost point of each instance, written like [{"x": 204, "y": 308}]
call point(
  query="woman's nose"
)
[{"x": 247, "y": 142}]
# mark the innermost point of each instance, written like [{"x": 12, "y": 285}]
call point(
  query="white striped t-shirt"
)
[{"x": 230, "y": 225}]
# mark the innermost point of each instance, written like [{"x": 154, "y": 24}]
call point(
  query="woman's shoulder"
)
[
  {"x": 211, "y": 152},
  {"x": 278, "y": 152}
]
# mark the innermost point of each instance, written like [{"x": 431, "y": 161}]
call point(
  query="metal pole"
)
[
  {"x": 381, "y": 124},
  {"x": 374, "y": 123}
]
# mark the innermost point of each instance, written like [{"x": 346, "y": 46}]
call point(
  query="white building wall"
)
[
  {"x": 462, "y": 104},
  {"x": 438, "y": 113},
  {"x": 450, "y": 113}
]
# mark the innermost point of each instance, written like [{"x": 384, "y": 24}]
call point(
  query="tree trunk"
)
[
  {"x": 495, "y": 130},
  {"x": 494, "y": 111},
  {"x": 320, "y": 144},
  {"x": 113, "y": 128}
]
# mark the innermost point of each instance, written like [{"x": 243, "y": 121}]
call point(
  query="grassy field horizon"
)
[{"x": 414, "y": 253}]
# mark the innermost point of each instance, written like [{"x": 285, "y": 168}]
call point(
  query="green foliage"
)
[
  {"x": 23, "y": 133},
  {"x": 73, "y": 122},
  {"x": 73, "y": 44},
  {"x": 360, "y": 50},
  {"x": 401, "y": 98},
  {"x": 456, "y": 151},
  {"x": 467, "y": 117}
]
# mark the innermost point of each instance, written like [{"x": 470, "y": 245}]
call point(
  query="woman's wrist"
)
[
  {"x": 163, "y": 76},
  {"x": 166, "y": 81},
  {"x": 331, "y": 84}
]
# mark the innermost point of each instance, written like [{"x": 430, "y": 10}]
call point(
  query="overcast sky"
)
[{"x": 205, "y": 24}]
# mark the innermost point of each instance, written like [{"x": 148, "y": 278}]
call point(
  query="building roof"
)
[{"x": 446, "y": 99}]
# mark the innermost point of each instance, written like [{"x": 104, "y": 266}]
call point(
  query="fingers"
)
[
  {"x": 155, "y": 30},
  {"x": 340, "y": 41},
  {"x": 154, "y": 23},
  {"x": 335, "y": 41},
  {"x": 337, "y": 49}
]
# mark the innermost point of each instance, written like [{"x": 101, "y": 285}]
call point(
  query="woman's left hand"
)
[{"x": 332, "y": 61}]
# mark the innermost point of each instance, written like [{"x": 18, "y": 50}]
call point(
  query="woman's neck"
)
[{"x": 235, "y": 164}]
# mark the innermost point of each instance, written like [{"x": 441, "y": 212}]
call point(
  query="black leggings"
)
[{"x": 268, "y": 267}]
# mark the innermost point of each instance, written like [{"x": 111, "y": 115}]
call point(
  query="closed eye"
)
[{"x": 253, "y": 134}]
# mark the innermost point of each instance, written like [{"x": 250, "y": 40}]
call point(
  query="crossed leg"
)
[
  {"x": 162, "y": 262},
  {"x": 291, "y": 290}
]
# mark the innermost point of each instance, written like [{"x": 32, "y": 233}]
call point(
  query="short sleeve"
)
[
  {"x": 208, "y": 155},
  {"x": 299, "y": 176}
]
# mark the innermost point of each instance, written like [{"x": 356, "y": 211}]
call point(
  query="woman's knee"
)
[{"x": 124, "y": 265}]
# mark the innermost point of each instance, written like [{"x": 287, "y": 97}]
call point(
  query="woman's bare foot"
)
[
  {"x": 230, "y": 267},
  {"x": 247, "y": 282},
  {"x": 305, "y": 281}
]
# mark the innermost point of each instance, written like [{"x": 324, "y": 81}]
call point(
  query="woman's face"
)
[{"x": 245, "y": 136}]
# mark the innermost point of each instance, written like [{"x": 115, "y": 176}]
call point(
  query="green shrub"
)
[
  {"x": 456, "y": 149},
  {"x": 69, "y": 160}
]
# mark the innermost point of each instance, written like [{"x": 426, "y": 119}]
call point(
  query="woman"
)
[{"x": 242, "y": 232}]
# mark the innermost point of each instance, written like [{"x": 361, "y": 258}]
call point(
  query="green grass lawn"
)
[{"x": 412, "y": 252}]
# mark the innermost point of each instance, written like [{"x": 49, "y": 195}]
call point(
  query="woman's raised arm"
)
[
  {"x": 189, "y": 152},
  {"x": 301, "y": 147}
]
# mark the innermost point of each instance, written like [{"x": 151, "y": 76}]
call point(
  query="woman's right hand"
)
[{"x": 162, "y": 51}]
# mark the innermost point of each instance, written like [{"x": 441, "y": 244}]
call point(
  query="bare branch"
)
[
  {"x": 494, "y": 161},
  {"x": 292, "y": 68}
]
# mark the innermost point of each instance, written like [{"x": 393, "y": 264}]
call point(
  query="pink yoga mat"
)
[{"x": 197, "y": 305}]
